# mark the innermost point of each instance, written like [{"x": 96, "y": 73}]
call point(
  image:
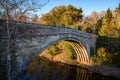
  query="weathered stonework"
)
[{"x": 29, "y": 40}]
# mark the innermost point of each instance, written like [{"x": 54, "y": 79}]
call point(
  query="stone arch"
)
[
  {"x": 31, "y": 39},
  {"x": 80, "y": 48},
  {"x": 77, "y": 43}
]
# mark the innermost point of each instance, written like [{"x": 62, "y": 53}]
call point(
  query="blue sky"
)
[{"x": 87, "y": 5}]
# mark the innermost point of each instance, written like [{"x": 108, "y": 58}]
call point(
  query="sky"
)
[{"x": 87, "y": 6}]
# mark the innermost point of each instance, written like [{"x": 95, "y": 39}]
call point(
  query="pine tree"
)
[
  {"x": 117, "y": 18},
  {"x": 108, "y": 18},
  {"x": 108, "y": 27}
]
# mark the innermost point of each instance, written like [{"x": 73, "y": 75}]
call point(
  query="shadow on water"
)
[{"x": 45, "y": 70}]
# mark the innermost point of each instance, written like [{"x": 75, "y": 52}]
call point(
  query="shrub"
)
[
  {"x": 104, "y": 55},
  {"x": 101, "y": 52}
]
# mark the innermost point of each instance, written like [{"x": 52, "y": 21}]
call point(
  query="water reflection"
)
[
  {"x": 82, "y": 74},
  {"x": 44, "y": 70}
]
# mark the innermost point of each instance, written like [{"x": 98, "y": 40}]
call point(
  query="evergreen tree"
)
[
  {"x": 108, "y": 27},
  {"x": 108, "y": 18},
  {"x": 117, "y": 18}
]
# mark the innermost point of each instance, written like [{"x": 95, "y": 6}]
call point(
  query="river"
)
[{"x": 45, "y": 70}]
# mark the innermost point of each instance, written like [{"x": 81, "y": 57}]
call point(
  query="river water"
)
[{"x": 45, "y": 70}]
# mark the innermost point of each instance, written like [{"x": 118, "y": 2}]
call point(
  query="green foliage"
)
[
  {"x": 108, "y": 43},
  {"x": 73, "y": 53},
  {"x": 68, "y": 49},
  {"x": 98, "y": 24},
  {"x": 108, "y": 50},
  {"x": 62, "y": 47},
  {"x": 102, "y": 56},
  {"x": 101, "y": 52},
  {"x": 117, "y": 16},
  {"x": 108, "y": 17},
  {"x": 116, "y": 57},
  {"x": 54, "y": 50},
  {"x": 96, "y": 59},
  {"x": 68, "y": 16},
  {"x": 108, "y": 27}
]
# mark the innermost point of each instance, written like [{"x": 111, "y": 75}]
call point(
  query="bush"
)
[
  {"x": 108, "y": 50},
  {"x": 102, "y": 56},
  {"x": 53, "y": 50},
  {"x": 62, "y": 47},
  {"x": 101, "y": 52}
]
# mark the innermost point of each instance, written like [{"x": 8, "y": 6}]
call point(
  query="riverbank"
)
[{"x": 102, "y": 69}]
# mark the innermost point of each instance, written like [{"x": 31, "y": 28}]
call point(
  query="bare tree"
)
[{"x": 9, "y": 9}]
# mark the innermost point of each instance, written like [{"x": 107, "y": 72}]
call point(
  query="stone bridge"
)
[{"x": 20, "y": 44}]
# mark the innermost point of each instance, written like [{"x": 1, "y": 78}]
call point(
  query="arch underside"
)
[
  {"x": 81, "y": 51},
  {"x": 82, "y": 55},
  {"x": 32, "y": 52}
]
